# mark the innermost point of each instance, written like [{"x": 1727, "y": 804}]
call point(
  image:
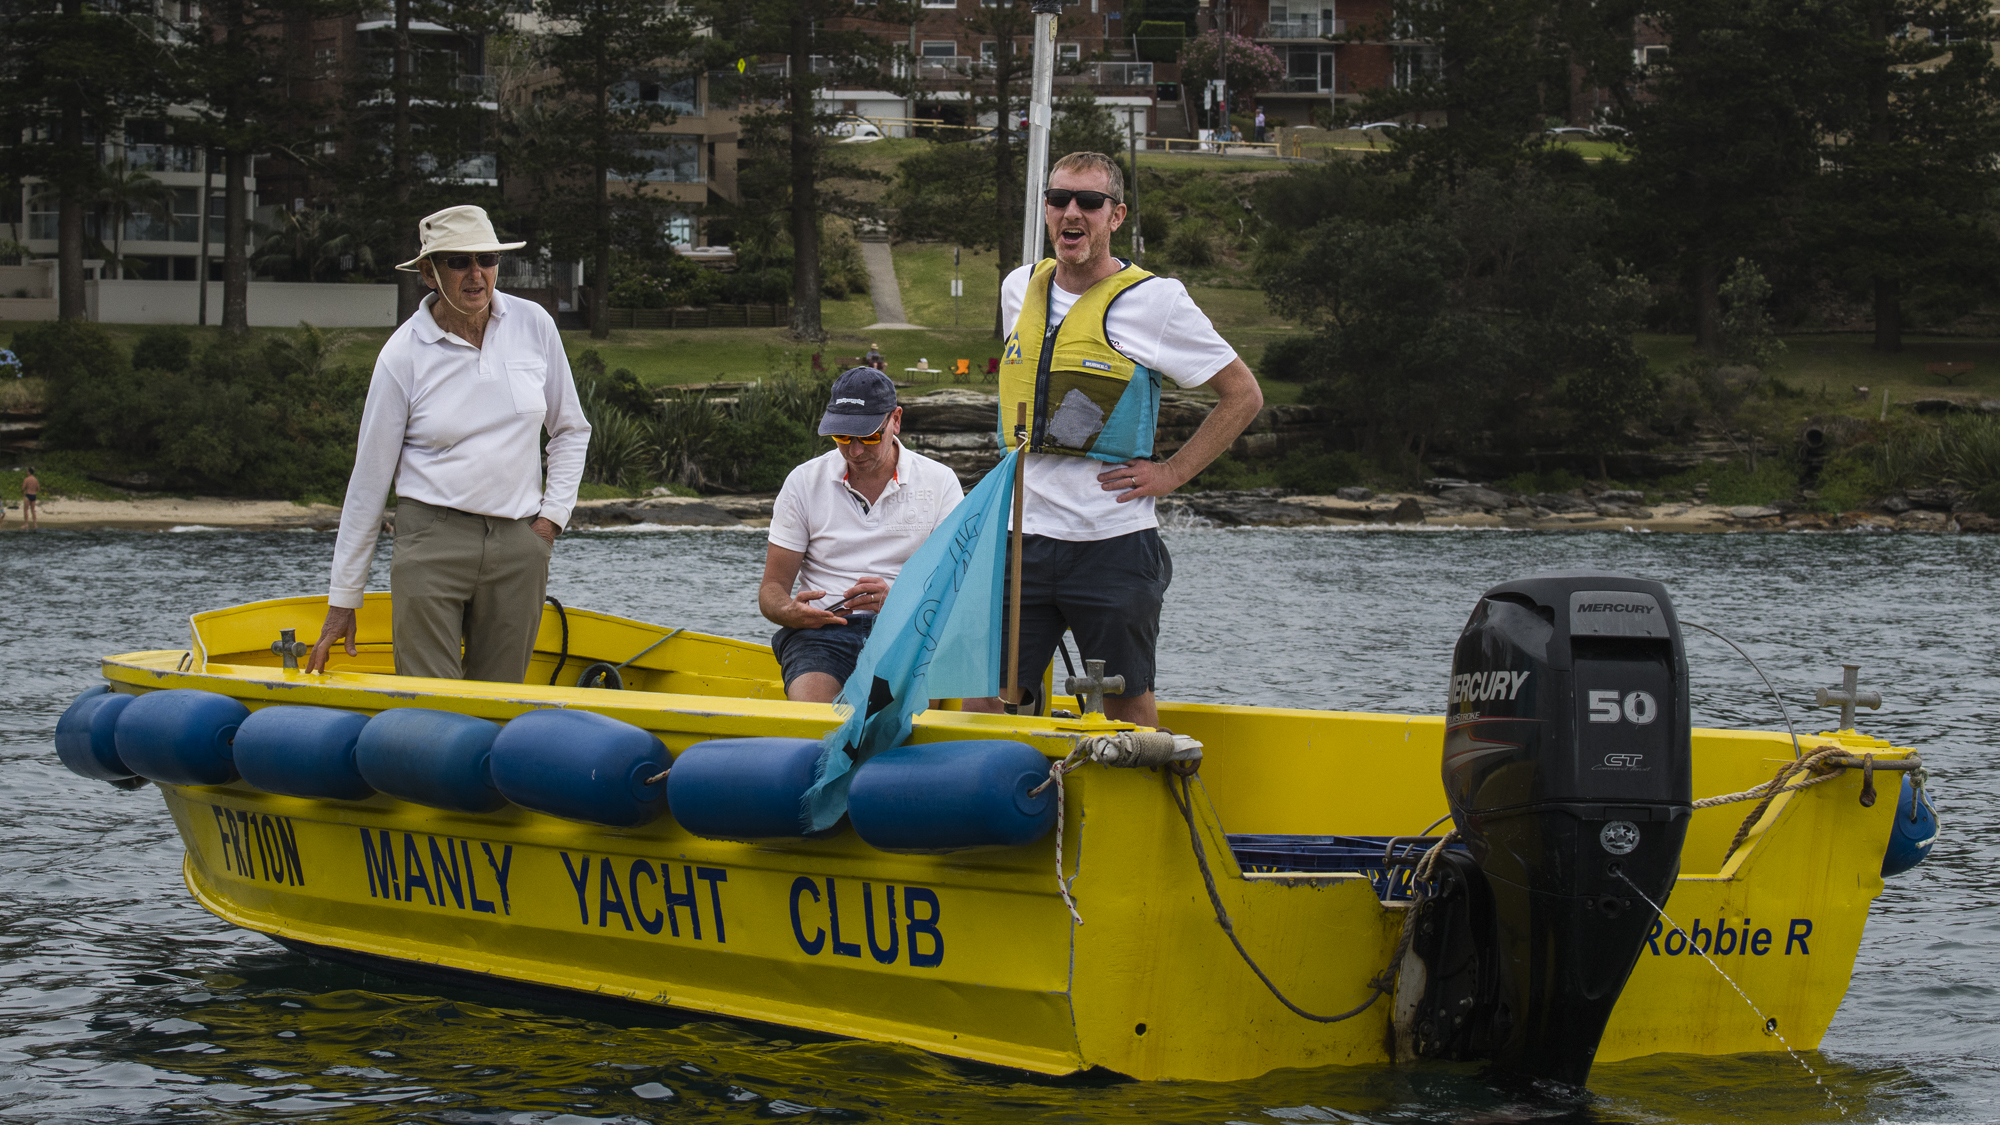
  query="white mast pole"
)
[{"x": 1039, "y": 113}]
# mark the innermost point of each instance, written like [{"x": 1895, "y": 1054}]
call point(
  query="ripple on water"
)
[{"x": 120, "y": 999}]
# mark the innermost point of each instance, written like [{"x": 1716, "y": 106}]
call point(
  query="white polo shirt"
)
[
  {"x": 456, "y": 426},
  {"x": 845, "y": 538}
]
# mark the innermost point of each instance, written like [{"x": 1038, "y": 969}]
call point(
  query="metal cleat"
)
[{"x": 1848, "y": 696}]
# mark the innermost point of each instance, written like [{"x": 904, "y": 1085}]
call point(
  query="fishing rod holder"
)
[{"x": 1848, "y": 696}]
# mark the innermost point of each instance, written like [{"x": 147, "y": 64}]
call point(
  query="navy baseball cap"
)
[{"x": 862, "y": 399}]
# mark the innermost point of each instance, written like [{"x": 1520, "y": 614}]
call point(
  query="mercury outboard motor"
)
[{"x": 1567, "y": 765}]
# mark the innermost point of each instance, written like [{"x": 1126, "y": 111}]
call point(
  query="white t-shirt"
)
[
  {"x": 843, "y": 536},
  {"x": 1154, "y": 323}
]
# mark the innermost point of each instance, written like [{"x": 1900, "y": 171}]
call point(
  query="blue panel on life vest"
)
[
  {"x": 303, "y": 752},
  {"x": 950, "y": 796},
  {"x": 1128, "y": 432},
  {"x": 580, "y": 765}
]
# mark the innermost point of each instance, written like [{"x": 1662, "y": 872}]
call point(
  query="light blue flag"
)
[{"x": 938, "y": 636}]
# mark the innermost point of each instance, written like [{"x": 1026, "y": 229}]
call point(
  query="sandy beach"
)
[{"x": 171, "y": 513}]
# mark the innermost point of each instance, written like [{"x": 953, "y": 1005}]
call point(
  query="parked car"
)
[
  {"x": 856, "y": 131},
  {"x": 1389, "y": 125},
  {"x": 1572, "y": 133}
]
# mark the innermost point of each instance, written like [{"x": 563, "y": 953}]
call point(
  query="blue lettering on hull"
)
[
  {"x": 259, "y": 846},
  {"x": 645, "y": 895},
  {"x": 1725, "y": 940},
  {"x": 920, "y": 941},
  {"x": 442, "y": 868}
]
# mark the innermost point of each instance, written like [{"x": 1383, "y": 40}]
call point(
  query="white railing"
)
[
  {"x": 162, "y": 158},
  {"x": 1111, "y": 74},
  {"x": 1308, "y": 28},
  {"x": 948, "y": 66}
]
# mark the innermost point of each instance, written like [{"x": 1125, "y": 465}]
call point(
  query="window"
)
[
  {"x": 1415, "y": 64},
  {"x": 183, "y": 226},
  {"x": 42, "y": 216},
  {"x": 672, "y": 159},
  {"x": 679, "y": 229},
  {"x": 940, "y": 3},
  {"x": 989, "y": 52},
  {"x": 1650, "y": 56},
  {"x": 939, "y": 49},
  {"x": 1069, "y": 52},
  {"x": 679, "y": 97}
]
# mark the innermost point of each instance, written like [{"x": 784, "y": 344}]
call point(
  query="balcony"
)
[
  {"x": 1299, "y": 84},
  {"x": 1109, "y": 74},
  {"x": 162, "y": 158},
  {"x": 1302, "y": 29},
  {"x": 945, "y": 67}
]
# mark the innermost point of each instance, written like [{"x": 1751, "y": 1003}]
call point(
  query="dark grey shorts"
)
[
  {"x": 1107, "y": 591},
  {"x": 831, "y": 649}
]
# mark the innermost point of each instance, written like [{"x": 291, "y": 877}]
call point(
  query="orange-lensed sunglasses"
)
[{"x": 872, "y": 439}]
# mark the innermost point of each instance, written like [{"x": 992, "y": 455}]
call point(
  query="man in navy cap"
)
[{"x": 841, "y": 530}]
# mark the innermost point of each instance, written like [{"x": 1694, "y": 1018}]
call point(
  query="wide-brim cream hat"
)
[{"x": 464, "y": 229}]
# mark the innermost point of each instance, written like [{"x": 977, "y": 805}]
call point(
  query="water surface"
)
[{"x": 123, "y": 1001}]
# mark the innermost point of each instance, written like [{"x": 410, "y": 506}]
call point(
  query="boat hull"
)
[{"x": 974, "y": 954}]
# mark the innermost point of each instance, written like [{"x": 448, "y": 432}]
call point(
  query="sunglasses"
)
[
  {"x": 872, "y": 439},
  {"x": 463, "y": 262},
  {"x": 1088, "y": 200}
]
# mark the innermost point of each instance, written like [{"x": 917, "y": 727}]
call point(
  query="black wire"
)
[
  {"x": 1782, "y": 709},
  {"x": 564, "y": 618},
  {"x": 1185, "y": 800}
]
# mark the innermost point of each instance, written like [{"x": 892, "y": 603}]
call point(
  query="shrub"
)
[
  {"x": 1192, "y": 243},
  {"x": 1291, "y": 359},
  {"x": 163, "y": 349}
]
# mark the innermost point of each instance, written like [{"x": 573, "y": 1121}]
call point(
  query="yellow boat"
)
[{"x": 984, "y": 960}]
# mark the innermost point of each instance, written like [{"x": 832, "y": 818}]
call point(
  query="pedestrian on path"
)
[{"x": 1260, "y": 125}]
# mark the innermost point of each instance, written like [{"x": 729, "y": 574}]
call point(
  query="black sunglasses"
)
[
  {"x": 463, "y": 262},
  {"x": 1088, "y": 200}
]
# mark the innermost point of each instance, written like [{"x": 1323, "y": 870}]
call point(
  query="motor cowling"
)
[{"x": 1568, "y": 770}]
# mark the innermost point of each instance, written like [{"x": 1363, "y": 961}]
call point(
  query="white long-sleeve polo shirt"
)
[{"x": 456, "y": 426}]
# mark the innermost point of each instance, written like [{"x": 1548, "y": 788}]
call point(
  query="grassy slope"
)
[{"x": 1828, "y": 367}]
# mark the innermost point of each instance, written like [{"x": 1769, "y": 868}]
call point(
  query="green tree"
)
[
  {"x": 236, "y": 71},
  {"x": 796, "y": 168},
  {"x": 1489, "y": 305},
  {"x": 70, "y": 73},
  {"x": 410, "y": 118},
  {"x": 615, "y": 63},
  {"x": 1492, "y": 72},
  {"x": 1906, "y": 197},
  {"x": 1727, "y": 141},
  {"x": 123, "y": 193},
  {"x": 1082, "y": 125}
]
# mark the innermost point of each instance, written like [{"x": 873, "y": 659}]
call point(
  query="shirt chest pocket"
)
[{"x": 525, "y": 381}]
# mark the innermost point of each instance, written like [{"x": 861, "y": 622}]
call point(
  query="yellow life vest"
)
[{"x": 1084, "y": 397}]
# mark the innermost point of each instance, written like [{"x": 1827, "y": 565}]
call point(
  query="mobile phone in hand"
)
[{"x": 837, "y": 606}]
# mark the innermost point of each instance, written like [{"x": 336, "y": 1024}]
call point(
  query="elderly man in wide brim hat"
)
[{"x": 461, "y": 395}]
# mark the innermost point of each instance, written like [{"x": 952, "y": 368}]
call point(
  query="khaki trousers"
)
[{"x": 461, "y": 579}]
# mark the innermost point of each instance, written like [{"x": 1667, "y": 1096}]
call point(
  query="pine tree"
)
[
  {"x": 1910, "y": 176},
  {"x": 610, "y": 58},
  {"x": 70, "y": 73}
]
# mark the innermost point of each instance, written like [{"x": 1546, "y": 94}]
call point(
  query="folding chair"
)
[
  {"x": 992, "y": 368},
  {"x": 961, "y": 369}
]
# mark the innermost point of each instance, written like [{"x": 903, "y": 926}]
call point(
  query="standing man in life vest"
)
[{"x": 1093, "y": 337}]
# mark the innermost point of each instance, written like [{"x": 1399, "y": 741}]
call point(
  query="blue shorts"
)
[{"x": 831, "y": 649}]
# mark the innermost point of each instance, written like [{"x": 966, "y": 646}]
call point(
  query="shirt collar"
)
[
  {"x": 837, "y": 468},
  {"x": 426, "y": 326}
]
